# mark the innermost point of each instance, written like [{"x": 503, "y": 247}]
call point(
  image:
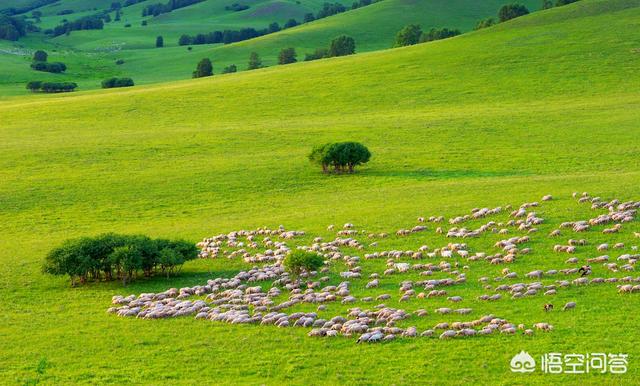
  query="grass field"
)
[
  {"x": 544, "y": 104},
  {"x": 91, "y": 55}
]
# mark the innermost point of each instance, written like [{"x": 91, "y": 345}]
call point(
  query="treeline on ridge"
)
[
  {"x": 233, "y": 36},
  {"x": 159, "y": 8}
]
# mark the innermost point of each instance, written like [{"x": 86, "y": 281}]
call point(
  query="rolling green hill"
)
[
  {"x": 543, "y": 104},
  {"x": 91, "y": 55}
]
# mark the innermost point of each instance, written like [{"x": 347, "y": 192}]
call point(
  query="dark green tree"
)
[
  {"x": 546, "y": 4},
  {"x": 230, "y": 69},
  {"x": 274, "y": 27},
  {"x": 204, "y": 68},
  {"x": 511, "y": 11},
  {"x": 254, "y": 61},
  {"x": 409, "y": 35},
  {"x": 290, "y": 23},
  {"x": 34, "y": 85},
  {"x": 40, "y": 56},
  {"x": 287, "y": 56},
  {"x": 159, "y": 42},
  {"x": 341, "y": 46}
]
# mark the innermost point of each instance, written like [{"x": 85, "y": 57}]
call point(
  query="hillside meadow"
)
[
  {"x": 544, "y": 104},
  {"x": 91, "y": 55}
]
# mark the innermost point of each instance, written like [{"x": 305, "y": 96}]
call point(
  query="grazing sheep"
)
[{"x": 569, "y": 306}]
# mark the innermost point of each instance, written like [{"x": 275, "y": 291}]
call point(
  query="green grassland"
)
[
  {"x": 544, "y": 104},
  {"x": 91, "y": 55}
]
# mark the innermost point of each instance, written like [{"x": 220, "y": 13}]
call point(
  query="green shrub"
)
[
  {"x": 117, "y": 257},
  {"x": 511, "y": 11},
  {"x": 287, "y": 56},
  {"x": 342, "y": 156},
  {"x": 230, "y": 69},
  {"x": 117, "y": 82},
  {"x": 342, "y": 46},
  {"x": 204, "y": 68},
  {"x": 40, "y": 56},
  {"x": 319, "y": 53},
  {"x": 54, "y": 67},
  {"x": 51, "y": 87},
  {"x": 299, "y": 260},
  {"x": 438, "y": 34},
  {"x": 409, "y": 35}
]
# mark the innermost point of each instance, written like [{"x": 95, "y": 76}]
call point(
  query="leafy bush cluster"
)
[
  {"x": 506, "y": 12},
  {"x": 117, "y": 257},
  {"x": 511, "y": 11},
  {"x": 51, "y": 87},
  {"x": 230, "y": 69},
  {"x": 341, "y": 156},
  {"x": 340, "y": 46},
  {"x": 54, "y": 67},
  {"x": 40, "y": 63},
  {"x": 159, "y": 8},
  {"x": 412, "y": 34},
  {"x": 287, "y": 56},
  {"x": 438, "y": 34},
  {"x": 117, "y": 82},
  {"x": 84, "y": 23},
  {"x": 204, "y": 68},
  {"x": 299, "y": 260},
  {"x": 12, "y": 28}
]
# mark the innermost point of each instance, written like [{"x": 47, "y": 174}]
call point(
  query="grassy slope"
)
[
  {"x": 499, "y": 116},
  {"x": 373, "y": 27}
]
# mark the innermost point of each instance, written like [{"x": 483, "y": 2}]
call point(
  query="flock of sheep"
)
[{"x": 268, "y": 295}]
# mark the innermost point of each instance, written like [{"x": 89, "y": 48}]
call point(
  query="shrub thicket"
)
[
  {"x": 117, "y": 82},
  {"x": 342, "y": 46},
  {"x": 287, "y": 56},
  {"x": 54, "y": 67},
  {"x": 299, "y": 260},
  {"x": 408, "y": 36},
  {"x": 204, "y": 68},
  {"x": 511, "y": 11},
  {"x": 341, "y": 156},
  {"x": 437, "y": 34},
  {"x": 117, "y": 257}
]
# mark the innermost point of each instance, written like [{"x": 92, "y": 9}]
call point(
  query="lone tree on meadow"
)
[
  {"x": 205, "y": 68},
  {"x": 287, "y": 56},
  {"x": 408, "y": 36},
  {"x": 341, "y": 156},
  {"x": 159, "y": 42},
  {"x": 342, "y": 46},
  {"x": 511, "y": 11},
  {"x": 40, "y": 56},
  {"x": 254, "y": 61}
]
